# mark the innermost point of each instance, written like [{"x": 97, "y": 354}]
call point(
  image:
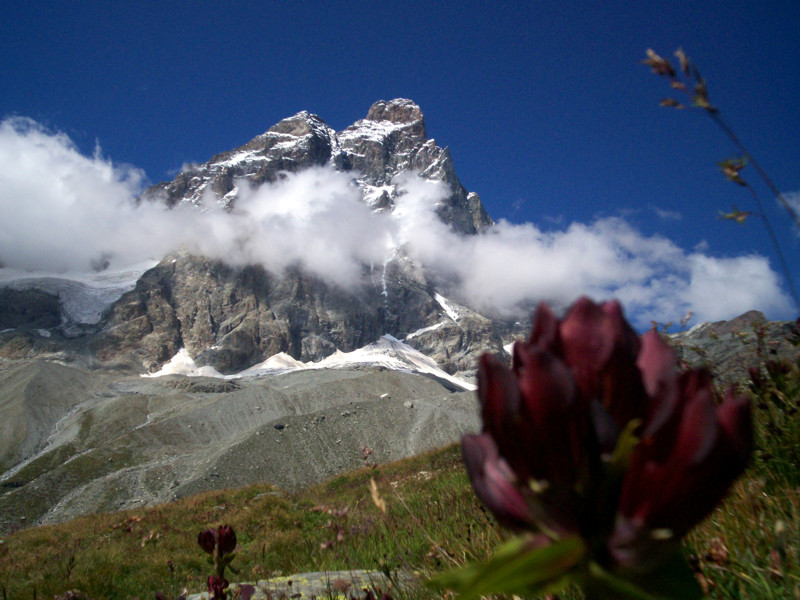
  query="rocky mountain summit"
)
[{"x": 391, "y": 140}]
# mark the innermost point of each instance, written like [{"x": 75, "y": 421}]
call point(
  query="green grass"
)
[
  {"x": 748, "y": 548},
  {"x": 334, "y": 526}
]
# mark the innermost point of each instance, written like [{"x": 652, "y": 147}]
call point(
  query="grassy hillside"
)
[
  {"x": 330, "y": 527},
  {"x": 747, "y": 549}
]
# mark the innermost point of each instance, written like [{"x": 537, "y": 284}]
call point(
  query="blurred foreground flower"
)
[{"x": 597, "y": 448}]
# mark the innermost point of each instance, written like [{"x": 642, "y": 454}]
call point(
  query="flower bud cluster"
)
[{"x": 220, "y": 544}]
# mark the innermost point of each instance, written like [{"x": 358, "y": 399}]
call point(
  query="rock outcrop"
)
[{"x": 730, "y": 348}]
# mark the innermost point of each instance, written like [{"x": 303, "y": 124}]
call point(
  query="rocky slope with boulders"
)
[{"x": 73, "y": 441}]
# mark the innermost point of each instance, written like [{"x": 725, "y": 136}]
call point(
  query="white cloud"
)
[
  {"x": 62, "y": 210},
  {"x": 655, "y": 279},
  {"x": 314, "y": 218},
  {"x": 667, "y": 215},
  {"x": 721, "y": 287},
  {"x": 512, "y": 265}
]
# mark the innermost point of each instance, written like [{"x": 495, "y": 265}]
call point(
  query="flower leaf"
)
[
  {"x": 626, "y": 444},
  {"x": 516, "y": 568}
]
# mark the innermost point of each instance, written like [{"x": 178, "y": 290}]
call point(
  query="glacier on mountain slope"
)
[{"x": 83, "y": 296}]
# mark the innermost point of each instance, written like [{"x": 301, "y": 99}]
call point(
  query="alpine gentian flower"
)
[
  {"x": 224, "y": 539},
  {"x": 594, "y": 433},
  {"x": 207, "y": 540}
]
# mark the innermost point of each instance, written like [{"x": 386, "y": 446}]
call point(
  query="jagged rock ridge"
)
[{"x": 392, "y": 139}]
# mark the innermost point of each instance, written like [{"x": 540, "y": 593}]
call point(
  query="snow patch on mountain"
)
[
  {"x": 448, "y": 308},
  {"x": 371, "y": 194},
  {"x": 374, "y": 131},
  {"x": 241, "y": 158},
  {"x": 419, "y": 332},
  {"x": 183, "y": 364},
  {"x": 387, "y": 352},
  {"x": 391, "y": 353},
  {"x": 276, "y": 362}
]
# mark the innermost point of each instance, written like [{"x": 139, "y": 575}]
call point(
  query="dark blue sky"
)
[{"x": 547, "y": 111}]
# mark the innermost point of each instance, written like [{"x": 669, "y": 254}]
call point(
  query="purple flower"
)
[
  {"x": 226, "y": 539},
  {"x": 594, "y": 432},
  {"x": 207, "y": 540}
]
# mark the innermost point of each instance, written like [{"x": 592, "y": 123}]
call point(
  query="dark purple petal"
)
[
  {"x": 226, "y": 538},
  {"x": 652, "y": 485},
  {"x": 606, "y": 429},
  {"x": 709, "y": 450},
  {"x": 545, "y": 331},
  {"x": 658, "y": 366},
  {"x": 736, "y": 420},
  {"x": 698, "y": 430},
  {"x": 600, "y": 348},
  {"x": 498, "y": 394},
  {"x": 547, "y": 432},
  {"x": 587, "y": 345},
  {"x": 623, "y": 392},
  {"x": 494, "y": 481},
  {"x": 207, "y": 540},
  {"x": 661, "y": 431},
  {"x": 498, "y": 391}
]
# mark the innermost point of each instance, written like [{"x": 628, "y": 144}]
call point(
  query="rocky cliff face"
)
[{"x": 230, "y": 317}]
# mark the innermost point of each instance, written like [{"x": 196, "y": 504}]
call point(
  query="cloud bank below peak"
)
[{"x": 64, "y": 211}]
